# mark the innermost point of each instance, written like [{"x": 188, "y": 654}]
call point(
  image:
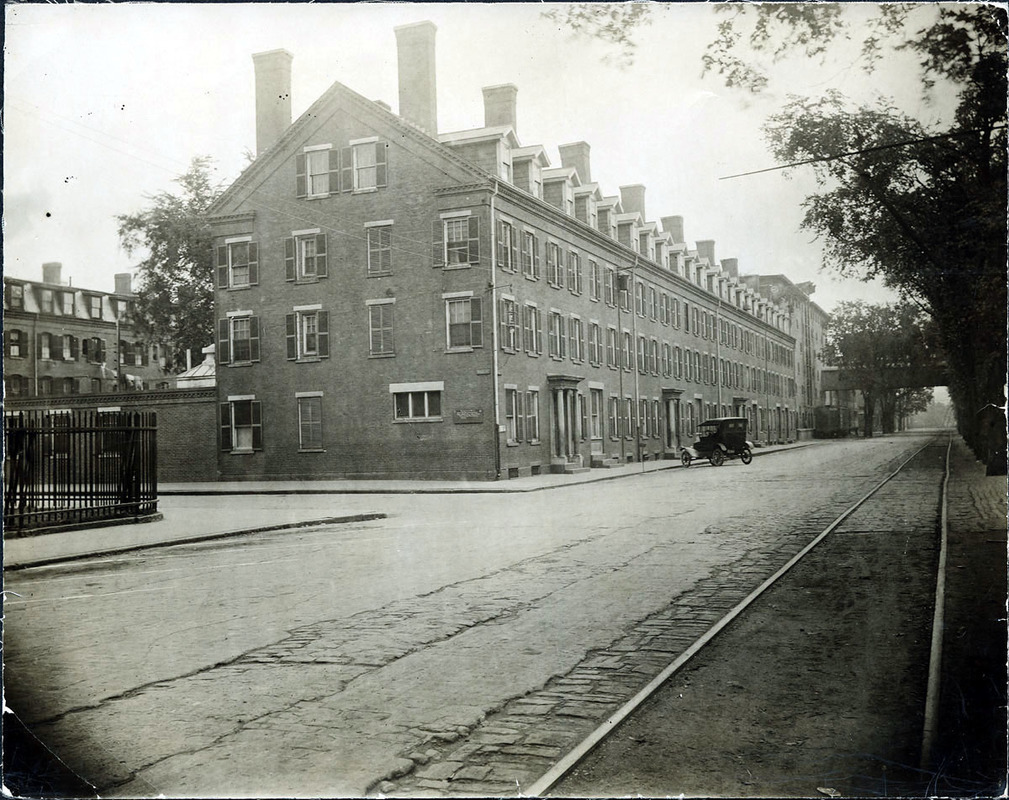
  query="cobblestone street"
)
[{"x": 459, "y": 646}]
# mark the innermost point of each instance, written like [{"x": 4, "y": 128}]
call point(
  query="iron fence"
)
[{"x": 78, "y": 466}]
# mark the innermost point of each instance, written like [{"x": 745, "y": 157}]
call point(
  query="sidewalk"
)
[{"x": 229, "y": 509}]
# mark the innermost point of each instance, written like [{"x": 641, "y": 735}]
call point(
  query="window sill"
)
[
  {"x": 533, "y": 442},
  {"x": 532, "y": 277},
  {"x": 311, "y": 450},
  {"x": 459, "y": 349},
  {"x": 512, "y": 443},
  {"x": 299, "y": 281},
  {"x": 236, "y": 452},
  {"x": 457, "y": 266},
  {"x": 381, "y": 355},
  {"x": 240, "y": 288},
  {"x": 532, "y": 354},
  {"x": 240, "y": 363},
  {"x": 417, "y": 419},
  {"x": 367, "y": 190},
  {"x": 383, "y": 274},
  {"x": 308, "y": 360}
]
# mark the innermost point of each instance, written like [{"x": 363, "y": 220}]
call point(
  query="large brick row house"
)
[
  {"x": 396, "y": 302},
  {"x": 60, "y": 340}
]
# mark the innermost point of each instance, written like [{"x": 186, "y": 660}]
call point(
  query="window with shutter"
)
[
  {"x": 381, "y": 317},
  {"x": 464, "y": 323},
  {"x": 380, "y": 250}
]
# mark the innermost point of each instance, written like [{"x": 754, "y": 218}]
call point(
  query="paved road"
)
[{"x": 331, "y": 661}]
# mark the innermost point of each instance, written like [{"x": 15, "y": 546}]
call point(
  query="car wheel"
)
[
  {"x": 685, "y": 458},
  {"x": 717, "y": 458},
  {"x": 746, "y": 456}
]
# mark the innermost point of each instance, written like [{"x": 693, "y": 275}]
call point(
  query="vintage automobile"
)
[{"x": 720, "y": 439}]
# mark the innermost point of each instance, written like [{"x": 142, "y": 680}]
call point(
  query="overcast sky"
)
[{"x": 105, "y": 104}]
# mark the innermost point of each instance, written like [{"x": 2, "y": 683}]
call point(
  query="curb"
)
[
  {"x": 364, "y": 517},
  {"x": 420, "y": 489}
]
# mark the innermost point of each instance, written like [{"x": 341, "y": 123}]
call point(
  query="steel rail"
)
[
  {"x": 931, "y": 723},
  {"x": 574, "y": 756}
]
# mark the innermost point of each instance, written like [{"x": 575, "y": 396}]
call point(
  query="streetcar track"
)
[{"x": 566, "y": 764}]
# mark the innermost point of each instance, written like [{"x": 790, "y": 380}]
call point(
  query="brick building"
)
[
  {"x": 808, "y": 325},
  {"x": 393, "y": 301},
  {"x": 61, "y": 340}
]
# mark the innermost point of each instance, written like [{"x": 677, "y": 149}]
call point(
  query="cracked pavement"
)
[{"x": 339, "y": 660}]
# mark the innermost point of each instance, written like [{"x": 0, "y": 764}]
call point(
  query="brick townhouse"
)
[
  {"x": 61, "y": 340},
  {"x": 393, "y": 301}
]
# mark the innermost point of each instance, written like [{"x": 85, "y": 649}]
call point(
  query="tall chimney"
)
[
  {"x": 731, "y": 266},
  {"x": 273, "y": 97},
  {"x": 124, "y": 283},
  {"x": 499, "y": 106},
  {"x": 51, "y": 272},
  {"x": 576, "y": 155},
  {"x": 674, "y": 227},
  {"x": 632, "y": 198},
  {"x": 418, "y": 93},
  {"x": 706, "y": 249}
]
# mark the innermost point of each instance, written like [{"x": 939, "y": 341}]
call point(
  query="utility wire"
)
[{"x": 822, "y": 159}]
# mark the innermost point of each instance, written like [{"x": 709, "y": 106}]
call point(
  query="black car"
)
[{"x": 719, "y": 439}]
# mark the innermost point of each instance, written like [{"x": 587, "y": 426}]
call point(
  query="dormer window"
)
[{"x": 46, "y": 301}]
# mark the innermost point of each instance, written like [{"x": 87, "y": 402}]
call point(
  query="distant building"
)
[
  {"x": 397, "y": 302},
  {"x": 808, "y": 325},
  {"x": 203, "y": 375},
  {"x": 61, "y": 340}
]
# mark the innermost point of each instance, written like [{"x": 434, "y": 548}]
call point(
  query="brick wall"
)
[{"x": 187, "y": 426}]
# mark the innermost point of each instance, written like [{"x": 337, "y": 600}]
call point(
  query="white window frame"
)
[
  {"x": 385, "y": 350},
  {"x": 302, "y": 446}
]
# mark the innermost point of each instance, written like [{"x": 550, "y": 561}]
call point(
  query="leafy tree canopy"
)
[{"x": 175, "y": 293}]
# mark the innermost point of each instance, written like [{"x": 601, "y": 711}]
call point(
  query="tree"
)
[
  {"x": 175, "y": 295},
  {"x": 869, "y": 342}
]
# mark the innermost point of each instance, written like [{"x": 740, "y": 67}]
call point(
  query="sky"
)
[{"x": 105, "y": 104}]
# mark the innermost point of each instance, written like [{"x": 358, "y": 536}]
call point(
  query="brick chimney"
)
[
  {"x": 273, "y": 97},
  {"x": 706, "y": 249},
  {"x": 730, "y": 266},
  {"x": 632, "y": 198},
  {"x": 499, "y": 106},
  {"x": 576, "y": 155},
  {"x": 124, "y": 283},
  {"x": 674, "y": 227},
  {"x": 51, "y": 272},
  {"x": 418, "y": 91}
]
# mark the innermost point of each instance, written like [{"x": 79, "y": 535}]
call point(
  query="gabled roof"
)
[
  {"x": 481, "y": 135},
  {"x": 590, "y": 188},
  {"x": 562, "y": 173},
  {"x": 612, "y": 202},
  {"x": 534, "y": 151},
  {"x": 323, "y": 108},
  {"x": 631, "y": 216}
]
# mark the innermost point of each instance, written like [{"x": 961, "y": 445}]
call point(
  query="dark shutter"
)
[
  {"x": 222, "y": 267},
  {"x": 253, "y": 263},
  {"x": 101, "y": 350},
  {"x": 145, "y": 355},
  {"x": 226, "y": 427},
  {"x": 257, "y": 424},
  {"x": 347, "y": 169},
  {"x": 85, "y": 348},
  {"x": 300, "y": 176},
  {"x": 334, "y": 170},
  {"x": 7, "y": 344},
  {"x": 253, "y": 338},
  {"x": 292, "y": 337},
  {"x": 515, "y": 248},
  {"x": 321, "y": 267},
  {"x": 323, "y": 330},
  {"x": 502, "y": 245},
  {"x": 536, "y": 256},
  {"x": 476, "y": 322},
  {"x": 74, "y": 348},
  {"x": 289, "y": 261},
  {"x": 223, "y": 341},
  {"x": 38, "y": 343},
  {"x": 474, "y": 240},
  {"x": 438, "y": 244},
  {"x": 381, "y": 164}
]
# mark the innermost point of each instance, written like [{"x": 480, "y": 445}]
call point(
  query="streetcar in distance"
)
[{"x": 719, "y": 440}]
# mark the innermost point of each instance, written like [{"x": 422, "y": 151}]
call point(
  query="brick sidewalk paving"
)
[{"x": 969, "y": 758}]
